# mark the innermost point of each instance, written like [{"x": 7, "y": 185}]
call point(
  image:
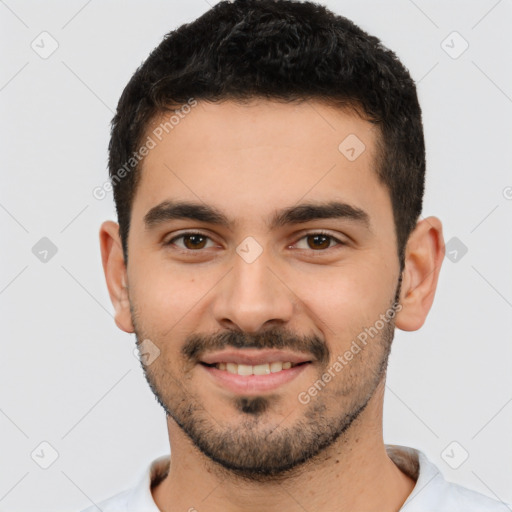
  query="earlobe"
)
[
  {"x": 423, "y": 259},
  {"x": 115, "y": 274}
]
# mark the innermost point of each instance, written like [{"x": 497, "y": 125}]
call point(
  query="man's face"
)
[{"x": 306, "y": 285}]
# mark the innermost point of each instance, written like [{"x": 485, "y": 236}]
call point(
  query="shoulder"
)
[
  {"x": 468, "y": 500},
  {"x": 433, "y": 492},
  {"x": 117, "y": 503},
  {"x": 139, "y": 497},
  {"x": 446, "y": 496}
]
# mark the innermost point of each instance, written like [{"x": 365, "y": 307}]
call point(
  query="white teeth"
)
[
  {"x": 261, "y": 369},
  {"x": 258, "y": 369},
  {"x": 276, "y": 367},
  {"x": 231, "y": 367},
  {"x": 244, "y": 369}
]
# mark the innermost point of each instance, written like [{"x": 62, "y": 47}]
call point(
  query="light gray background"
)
[{"x": 69, "y": 376}]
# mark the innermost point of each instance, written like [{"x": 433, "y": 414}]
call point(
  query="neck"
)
[{"x": 355, "y": 473}]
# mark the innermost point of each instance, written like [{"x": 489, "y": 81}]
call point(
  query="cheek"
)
[
  {"x": 347, "y": 297},
  {"x": 165, "y": 294}
]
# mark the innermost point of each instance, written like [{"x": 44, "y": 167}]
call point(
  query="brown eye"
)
[
  {"x": 194, "y": 241},
  {"x": 318, "y": 241},
  {"x": 191, "y": 241}
]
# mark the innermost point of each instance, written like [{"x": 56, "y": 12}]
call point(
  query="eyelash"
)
[{"x": 312, "y": 233}]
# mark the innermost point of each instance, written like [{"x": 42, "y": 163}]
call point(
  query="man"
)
[{"x": 268, "y": 170}]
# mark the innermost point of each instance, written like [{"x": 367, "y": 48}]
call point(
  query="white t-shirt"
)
[{"x": 432, "y": 493}]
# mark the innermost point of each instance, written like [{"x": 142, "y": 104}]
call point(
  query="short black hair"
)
[{"x": 281, "y": 50}]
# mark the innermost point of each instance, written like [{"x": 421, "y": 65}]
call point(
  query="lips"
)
[
  {"x": 254, "y": 371},
  {"x": 254, "y": 357},
  {"x": 252, "y": 385}
]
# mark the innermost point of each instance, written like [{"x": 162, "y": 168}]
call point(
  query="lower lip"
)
[{"x": 253, "y": 384}]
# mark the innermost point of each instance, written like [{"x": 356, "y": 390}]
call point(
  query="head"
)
[
  {"x": 274, "y": 165},
  {"x": 285, "y": 51}
]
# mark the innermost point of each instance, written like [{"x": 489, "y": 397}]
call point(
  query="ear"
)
[
  {"x": 115, "y": 274},
  {"x": 423, "y": 258}
]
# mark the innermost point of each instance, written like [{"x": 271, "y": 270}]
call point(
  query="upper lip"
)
[{"x": 254, "y": 357}]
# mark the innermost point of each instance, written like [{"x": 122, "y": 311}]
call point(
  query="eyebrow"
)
[
  {"x": 298, "y": 214},
  {"x": 307, "y": 212}
]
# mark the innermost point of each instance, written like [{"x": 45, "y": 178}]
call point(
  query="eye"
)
[
  {"x": 195, "y": 241},
  {"x": 191, "y": 241},
  {"x": 318, "y": 241}
]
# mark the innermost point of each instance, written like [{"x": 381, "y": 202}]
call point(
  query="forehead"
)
[
  {"x": 231, "y": 125},
  {"x": 257, "y": 155}
]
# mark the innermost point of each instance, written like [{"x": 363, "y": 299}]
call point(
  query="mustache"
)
[{"x": 277, "y": 338}]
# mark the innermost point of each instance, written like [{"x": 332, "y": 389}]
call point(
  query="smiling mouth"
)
[{"x": 258, "y": 369}]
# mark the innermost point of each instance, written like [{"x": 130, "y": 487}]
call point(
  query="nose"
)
[{"x": 253, "y": 296}]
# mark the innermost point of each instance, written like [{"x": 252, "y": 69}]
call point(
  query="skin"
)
[{"x": 249, "y": 161}]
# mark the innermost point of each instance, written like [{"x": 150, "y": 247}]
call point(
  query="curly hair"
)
[{"x": 280, "y": 50}]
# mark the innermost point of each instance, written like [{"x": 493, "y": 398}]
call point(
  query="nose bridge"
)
[{"x": 252, "y": 295}]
